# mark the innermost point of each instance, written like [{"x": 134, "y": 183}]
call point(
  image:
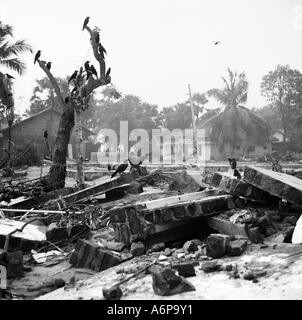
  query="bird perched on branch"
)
[
  {"x": 233, "y": 171},
  {"x": 86, "y": 65},
  {"x": 73, "y": 76},
  {"x": 66, "y": 100},
  {"x": 136, "y": 161},
  {"x": 108, "y": 73},
  {"x": 85, "y": 23},
  {"x": 121, "y": 168},
  {"x": 101, "y": 50},
  {"x": 9, "y": 76},
  {"x": 92, "y": 69},
  {"x": 37, "y": 56},
  {"x": 48, "y": 65}
]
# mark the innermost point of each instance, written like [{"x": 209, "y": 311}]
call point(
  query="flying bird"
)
[
  {"x": 86, "y": 65},
  {"x": 85, "y": 23},
  {"x": 108, "y": 72},
  {"x": 92, "y": 69},
  {"x": 48, "y": 65},
  {"x": 121, "y": 168},
  {"x": 9, "y": 76},
  {"x": 37, "y": 56},
  {"x": 73, "y": 76},
  {"x": 216, "y": 42}
]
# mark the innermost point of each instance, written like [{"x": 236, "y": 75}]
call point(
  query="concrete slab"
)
[{"x": 281, "y": 185}]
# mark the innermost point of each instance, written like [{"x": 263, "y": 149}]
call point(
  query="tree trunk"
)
[
  {"x": 79, "y": 149},
  {"x": 57, "y": 171}
]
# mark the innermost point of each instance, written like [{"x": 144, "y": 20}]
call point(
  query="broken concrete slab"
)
[
  {"x": 281, "y": 185},
  {"x": 91, "y": 256},
  {"x": 240, "y": 188},
  {"x": 136, "y": 222},
  {"x": 184, "y": 183},
  {"x": 226, "y": 227}
]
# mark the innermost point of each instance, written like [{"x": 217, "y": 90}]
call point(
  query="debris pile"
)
[{"x": 186, "y": 226}]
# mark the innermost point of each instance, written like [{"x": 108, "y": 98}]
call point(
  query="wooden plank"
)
[
  {"x": 281, "y": 185},
  {"x": 30, "y": 232},
  {"x": 178, "y": 199}
]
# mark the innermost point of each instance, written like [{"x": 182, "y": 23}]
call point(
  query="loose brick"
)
[
  {"x": 216, "y": 245},
  {"x": 137, "y": 249},
  {"x": 236, "y": 247}
]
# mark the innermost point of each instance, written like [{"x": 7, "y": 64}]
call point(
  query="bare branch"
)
[
  {"x": 96, "y": 53},
  {"x": 53, "y": 81}
]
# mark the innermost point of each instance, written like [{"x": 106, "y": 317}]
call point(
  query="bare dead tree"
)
[{"x": 76, "y": 102}]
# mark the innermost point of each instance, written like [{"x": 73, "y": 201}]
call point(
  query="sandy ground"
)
[{"x": 283, "y": 279}]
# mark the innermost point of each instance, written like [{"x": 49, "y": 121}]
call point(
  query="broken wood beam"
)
[
  {"x": 281, "y": 185},
  {"x": 88, "y": 192}
]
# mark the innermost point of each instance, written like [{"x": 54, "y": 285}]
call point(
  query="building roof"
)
[{"x": 39, "y": 114}]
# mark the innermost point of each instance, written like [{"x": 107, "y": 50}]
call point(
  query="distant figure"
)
[
  {"x": 121, "y": 168},
  {"x": 233, "y": 171},
  {"x": 276, "y": 166},
  {"x": 216, "y": 42}
]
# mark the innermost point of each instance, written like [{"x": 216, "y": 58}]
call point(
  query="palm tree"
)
[
  {"x": 234, "y": 91},
  {"x": 236, "y": 125},
  {"x": 9, "y": 51}
]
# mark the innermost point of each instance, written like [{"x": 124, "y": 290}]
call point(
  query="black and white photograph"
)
[{"x": 150, "y": 151}]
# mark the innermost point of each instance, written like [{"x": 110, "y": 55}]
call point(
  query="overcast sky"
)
[{"x": 155, "y": 48}]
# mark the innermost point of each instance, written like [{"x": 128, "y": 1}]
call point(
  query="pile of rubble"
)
[{"x": 177, "y": 224}]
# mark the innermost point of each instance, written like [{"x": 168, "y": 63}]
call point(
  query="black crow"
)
[
  {"x": 86, "y": 65},
  {"x": 92, "y": 69},
  {"x": 66, "y": 100},
  {"x": 108, "y": 73},
  {"x": 216, "y": 42},
  {"x": 233, "y": 170},
  {"x": 73, "y": 76},
  {"x": 9, "y": 76},
  {"x": 89, "y": 73},
  {"x": 101, "y": 50},
  {"x": 85, "y": 22},
  {"x": 48, "y": 65},
  {"x": 121, "y": 168},
  {"x": 37, "y": 56}
]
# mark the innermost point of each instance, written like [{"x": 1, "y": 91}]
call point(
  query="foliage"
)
[
  {"x": 10, "y": 51},
  {"x": 44, "y": 96},
  {"x": 234, "y": 91},
  {"x": 282, "y": 88},
  {"x": 108, "y": 113},
  {"x": 237, "y": 126}
]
